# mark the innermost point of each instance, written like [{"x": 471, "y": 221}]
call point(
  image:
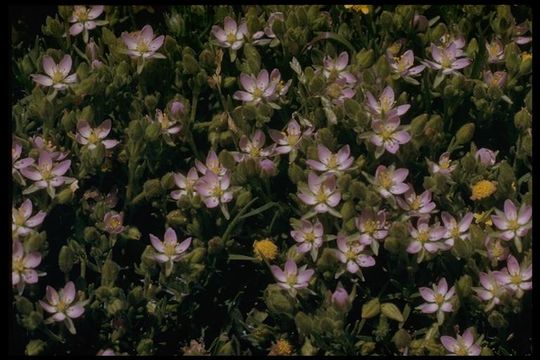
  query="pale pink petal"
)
[
  {"x": 49, "y": 66},
  {"x": 156, "y": 243},
  {"x": 42, "y": 79},
  {"x": 427, "y": 294},
  {"x": 68, "y": 294},
  {"x": 278, "y": 273},
  {"x": 76, "y": 29},
  {"x": 65, "y": 65},
  {"x": 75, "y": 311}
]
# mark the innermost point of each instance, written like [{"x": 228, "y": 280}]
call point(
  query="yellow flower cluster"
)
[
  {"x": 364, "y": 9},
  {"x": 281, "y": 347},
  {"x": 265, "y": 249},
  {"x": 483, "y": 189}
]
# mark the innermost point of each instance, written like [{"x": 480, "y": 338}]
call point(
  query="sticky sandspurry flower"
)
[
  {"x": 332, "y": 163},
  {"x": 142, "y": 44},
  {"x": 461, "y": 345},
  {"x": 289, "y": 139},
  {"x": 169, "y": 126},
  {"x": 352, "y": 254},
  {"x": 57, "y": 74},
  {"x": 214, "y": 190},
  {"x": 445, "y": 166},
  {"x": 321, "y": 192},
  {"x": 403, "y": 65},
  {"x": 513, "y": 223},
  {"x": 335, "y": 68},
  {"x": 497, "y": 79},
  {"x": 448, "y": 60},
  {"x": 309, "y": 237},
  {"x": 16, "y": 161},
  {"x": 291, "y": 277},
  {"x": 63, "y": 305},
  {"x": 339, "y": 91},
  {"x": 113, "y": 222},
  {"x": 384, "y": 108},
  {"x": 91, "y": 137},
  {"x": 388, "y": 135},
  {"x": 425, "y": 238},
  {"x": 231, "y": 35},
  {"x": 416, "y": 205},
  {"x": 169, "y": 250},
  {"x": 438, "y": 299},
  {"x": 455, "y": 230},
  {"x": 486, "y": 156},
  {"x": 212, "y": 163},
  {"x": 41, "y": 144},
  {"x": 264, "y": 87},
  {"x": 515, "y": 277},
  {"x": 373, "y": 228},
  {"x": 518, "y": 32},
  {"x": 495, "y": 51},
  {"x": 47, "y": 174},
  {"x": 23, "y": 266},
  {"x": 496, "y": 250},
  {"x": 186, "y": 184},
  {"x": 491, "y": 289},
  {"x": 253, "y": 147},
  {"x": 23, "y": 221},
  {"x": 340, "y": 298},
  {"x": 84, "y": 19},
  {"x": 390, "y": 181}
]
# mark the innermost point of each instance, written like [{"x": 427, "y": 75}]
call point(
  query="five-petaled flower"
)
[
  {"x": 438, "y": 299},
  {"x": 455, "y": 230},
  {"x": 403, "y": 65},
  {"x": 373, "y": 228},
  {"x": 62, "y": 305},
  {"x": 309, "y": 237},
  {"x": 321, "y": 191},
  {"x": 462, "y": 344},
  {"x": 47, "y": 174},
  {"x": 57, "y": 74},
  {"x": 91, "y": 137},
  {"x": 416, "y": 205},
  {"x": 352, "y": 254},
  {"x": 513, "y": 223},
  {"x": 491, "y": 289},
  {"x": 389, "y": 181},
  {"x": 113, "y": 222},
  {"x": 332, "y": 163},
  {"x": 263, "y": 87},
  {"x": 231, "y": 35},
  {"x": 84, "y": 19},
  {"x": 289, "y": 139},
  {"x": 388, "y": 135},
  {"x": 169, "y": 250},
  {"x": 23, "y": 266},
  {"x": 515, "y": 277},
  {"x": 385, "y": 107},
  {"x": 185, "y": 184},
  {"x": 291, "y": 277},
  {"x": 426, "y": 238},
  {"x": 448, "y": 59},
  {"x": 142, "y": 44},
  {"x": 23, "y": 221}
]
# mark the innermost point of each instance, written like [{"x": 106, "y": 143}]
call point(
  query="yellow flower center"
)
[
  {"x": 423, "y": 236},
  {"x": 497, "y": 250},
  {"x": 439, "y": 299},
  {"x": 334, "y": 90},
  {"x": 385, "y": 180},
  {"x": 254, "y": 151},
  {"x": 455, "y": 232},
  {"x": 18, "y": 265},
  {"x": 57, "y": 77},
  {"x": 81, "y": 14},
  {"x": 282, "y": 347},
  {"x": 526, "y": 56},
  {"x": 461, "y": 350},
  {"x": 61, "y": 306},
  {"x": 114, "y": 223},
  {"x": 231, "y": 38},
  {"x": 483, "y": 189},
  {"x": 516, "y": 279},
  {"x": 265, "y": 249},
  {"x": 169, "y": 249},
  {"x": 321, "y": 196},
  {"x": 415, "y": 205},
  {"x": 370, "y": 226},
  {"x": 351, "y": 255},
  {"x": 309, "y": 237},
  {"x": 142, "y": 46},
  {"x": 19, "y": 219},
  {"x": 445, "y": 164},
  {"x": 93, "y": 138},
  {"x": 446, "y": 61},
  {"x": 292, "y": 139},
  {"x": 386, "y": 134},
  {"x": 217, "y": 192},
  {"x": 332, "y": 161},
  {"x": 513, "y": 225}
]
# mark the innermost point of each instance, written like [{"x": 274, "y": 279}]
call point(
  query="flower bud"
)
[
  {"x": 215, "y": 245},
  {"x": 243, "y": 198},
  {"x": 348, "y": 211},
  {"x": 115, "y": 306},
  {"x": 176, "y": 218},
  {"x": 152, "y": 188},
  {"x": 391, "y": 311},
  {"x": 136, "y": 295},
  {"x": 91, "y": 234},
  {"x": 371, "y": 308},
  {"x": 465, "y": 134},
  {"x": 35, "y": 347},
  {"x": 191, "y": 66},
  {"x": 340, "y": 298},
  {"x": 152, "y": 131},
  {"x": 365, "y": 58},
  {"x": 523, "y": 119},
  {"x": 278, "y": 301},
  {"x": 401, "y": 338},
  {"x": 32, "y": 321},
  {"x": 65, "y": 259},
  {"x": 197, "y": 255},
  {"x": 229, "y": 81},
  {"x": 65, "y": 196},
  {"x": 418, "y": 124},
  {"x": 109, "y": 272}
]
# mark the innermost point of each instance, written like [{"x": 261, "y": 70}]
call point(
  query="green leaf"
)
[
  {"x": 259, "y": 210},
  {"x": 241, "y": 257}
]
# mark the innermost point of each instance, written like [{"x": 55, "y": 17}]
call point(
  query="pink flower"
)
[
  {"x": 389, "y": 181},
  {"x": 185, "y": 183},
  {"x": 18, "y": 164},
  {"x": 495, "y": 249},
  {"x": 352, "y": 255},
  {"x": 261, "y": 88},
  {"x": 497, "y": 79},
  {"x": 291, "y": 278},
  {"x": 461, "y": 345},
  {"x": 515, "y": 277},
  {"x": 113, "y": 222},
  {"x": 90, "y": 137},
  {"x": 142, "y": 44},
  {"x": 62, "y": 305},
  {"x": 309, "y": 237},
  {"x": 444, "y": 166},
  {"x": 416, "y": 205},
  {"x": 455, "y": 230},
  {"x": 83, "y": 19},
  {"x": 289, "y": 139},
  {"x": 384, "y": 108},
  {"x": 321, "y": 192},
  {"x": 106, "y": 352},
  {"x": 213, "y": 189},
  {"x": 41, "y": 144},
  {"x": 495, "y": 51},
  {"x": 447, "y": 59},
  {"x": 388, "y": 135},
  {"x": 47, "y": 174},
  {"x": 373, "y": 228},
  {"x": 518, "y": 32},
  {"x": 23, "y": 221},
  {"x": 232, "y": 35},
  {"x": 403, "y": 65},
  {"x": 340, "y": 90},
  {"x": 23, "y": 265},
  {"x": 57, "y": 75},
  {"x": 491, "y": 289},
  {"x": 340, "y": 298},
  {"x": 268, "y": 30},
  {"x": 511, "y": 222},
  {"x": 212, "y": 164},
  {"x": 253, "y": 148},
  {"x": 437, "y": 299},
  {"x": 486, "y": 156},
  {"x": 426, "y": 238},
  {"x": 335, "y": 68},
  {"x": 169, "y": 251},
  {"x": 332, "y": 163},
  {"x": 168, "y": 125}
]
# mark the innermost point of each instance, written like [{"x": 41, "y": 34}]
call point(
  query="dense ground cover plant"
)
[{"x": 272, "y": 180}]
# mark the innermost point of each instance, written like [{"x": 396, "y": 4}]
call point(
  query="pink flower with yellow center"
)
[
  {"x": 336, "y": 68},
  {"x": 212, "y": 163},
  {"x": 373, "y": 228},
  {"x": 289, "y": 139},
  {"x": 388, "y": 135},
  {"x": 416, "y": 205},
  {"x": 389, "y": 181},
  {"x": 91, "y": 137},
  {"x": 23, "y": 266},
  {"x": 142, "y": 44},
  {"x": 113, "y": 222},
  {"x": 403, "y": 65},
  {"x": 352, "y": 254},
  {"x": 455, "y": 230},
  {"x": 491, "y": 289},
  {"x": 309, "y": 237},
  {"x": 495, "y": 51},
  {"x": 462, "y": 345},
  {"x": 169, "y": 250},
  {"x": 47, "y": 174},
  {"x": 512, "y": 223},
  {"x": 83, "y": 19},
  {"x": 57, "y": 74},
  {"x": 332, "y": 163},
  {"x": 438, "y": 299},
  {"x": 231, "y": 35},
  {"x": 426, "y": 238},
  {"x": 515, "y": 277},
  {"x": 322, "y": 193},
  {"x": 445, "y": 166},
  {"x": 186, "y": 184},
  {"x": 214, "y": 190},
  {"x": 291, "y": 277},
  {"x": 385, "y": 107},
  {"x": 23, "y": 221},
  {"x": 447, "y": 59}
]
